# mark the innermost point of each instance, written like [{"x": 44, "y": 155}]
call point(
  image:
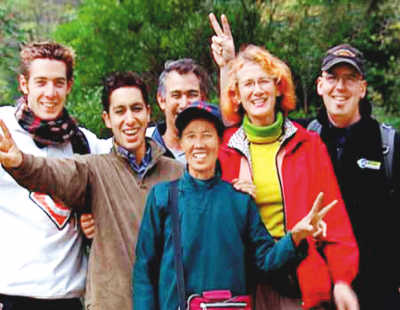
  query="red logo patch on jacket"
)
[{"x": 58, "y": 213}]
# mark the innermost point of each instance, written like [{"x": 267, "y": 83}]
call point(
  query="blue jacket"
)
[{"x": 221, "y": 232}]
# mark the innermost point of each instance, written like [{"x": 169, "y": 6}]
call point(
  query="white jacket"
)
[{"x": 41, "y": 253}]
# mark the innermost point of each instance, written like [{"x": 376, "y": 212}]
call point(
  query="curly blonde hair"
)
[{"x": 273, "y": 66}]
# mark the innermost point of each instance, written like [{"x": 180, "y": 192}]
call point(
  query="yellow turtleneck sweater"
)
[
  {"x": 268, "y": 193},
  {"x": 264, "y": 146}
]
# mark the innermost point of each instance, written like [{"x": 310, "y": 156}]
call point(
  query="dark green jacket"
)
[{"x": 221, "y": 232}]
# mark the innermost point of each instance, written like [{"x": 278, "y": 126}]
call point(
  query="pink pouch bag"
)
[{"x": 217, "y": 300}]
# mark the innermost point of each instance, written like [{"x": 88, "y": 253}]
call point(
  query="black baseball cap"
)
[
  {"x": 199, "y": 109},
  {"x": 344, "y": 53}
]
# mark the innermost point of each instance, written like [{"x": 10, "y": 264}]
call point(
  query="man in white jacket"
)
[{"x": 42, "y": 263}]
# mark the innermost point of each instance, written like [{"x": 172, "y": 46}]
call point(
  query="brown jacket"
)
[{"x": 116, "y": 196}]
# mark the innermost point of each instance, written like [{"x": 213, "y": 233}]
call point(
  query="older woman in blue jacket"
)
[{"x": 221, "y": 227}]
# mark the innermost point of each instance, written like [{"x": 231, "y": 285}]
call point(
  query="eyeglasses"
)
[
  {"x": 347, "y": 79},
  {"x": 261, "y": 83}
]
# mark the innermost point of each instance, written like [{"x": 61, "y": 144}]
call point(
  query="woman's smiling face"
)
[{"x": 257, "y": 93}]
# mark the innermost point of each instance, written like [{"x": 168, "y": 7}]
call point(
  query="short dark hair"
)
[
  {"x": 184, "y": 66},
  {"x": 122, "y": 79},
  {"x": 46, "y": 50}
]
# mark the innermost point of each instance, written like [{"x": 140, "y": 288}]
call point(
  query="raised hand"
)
[
  {"x": 312, "y": 223},
  {"x": 10, "y": 154},
  {"x": 222, "y": 46}
]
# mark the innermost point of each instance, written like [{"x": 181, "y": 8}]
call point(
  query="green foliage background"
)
[{"x": 110, "y": 35}]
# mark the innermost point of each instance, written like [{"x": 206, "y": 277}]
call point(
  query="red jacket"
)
[{"x": 304, "y": 169}]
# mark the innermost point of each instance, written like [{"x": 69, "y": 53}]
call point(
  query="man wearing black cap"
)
[{"x": 365, "y": 155}]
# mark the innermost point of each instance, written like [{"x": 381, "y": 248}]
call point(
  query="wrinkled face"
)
[
  {"x": 257, "y": 93},
  {"x": 200, "y": 142},
  {"x": 180, "y": 91},
  {"x": 341, "y": 89},
  {"x": 128, "y": 117},
  {"x": 46, "y": 87}
]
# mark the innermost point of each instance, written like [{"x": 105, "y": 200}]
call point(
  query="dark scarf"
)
[{"x": 55, "y": 132}]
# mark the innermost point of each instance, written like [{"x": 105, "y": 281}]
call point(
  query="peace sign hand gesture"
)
[
  {"x": 312, "y": 223},
  {"x": 10, "y": 154},
  {"x": 222, "y": 46}
]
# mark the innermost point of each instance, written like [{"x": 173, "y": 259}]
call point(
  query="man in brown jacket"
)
[{"x": 114, "y": 186}]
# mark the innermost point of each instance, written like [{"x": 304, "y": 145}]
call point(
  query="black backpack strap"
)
[
  {"x": 315, "y": 125},
  {"x": 387, "y": 135},
  {"x": 176, "y": 238}
]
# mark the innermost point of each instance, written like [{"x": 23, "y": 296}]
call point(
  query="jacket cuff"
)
[
  {"x": 302, "y": 249},
  {"x": 23, "y": 168}
]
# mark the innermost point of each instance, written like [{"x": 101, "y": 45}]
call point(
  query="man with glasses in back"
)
[{"x": 365, "y": 155}]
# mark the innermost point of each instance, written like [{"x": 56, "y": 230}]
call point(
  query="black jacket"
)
[{"x": 372, "y": 201}]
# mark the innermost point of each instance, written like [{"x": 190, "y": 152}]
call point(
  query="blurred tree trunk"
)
[{"x": 373, "y": 6}]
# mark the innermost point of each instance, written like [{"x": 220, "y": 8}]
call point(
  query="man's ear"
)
[
  {"x": 363, "y": 86},
  {"x": 106, "y": 119},
  {"x": 69, "y": 85},
  {"x": 319, "y": 85},
  {"x": 161, "y": 101},
  {"x": 23, "y": 84}
]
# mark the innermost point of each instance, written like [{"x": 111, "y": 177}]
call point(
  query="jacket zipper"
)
[{"x": 278, "y": 163}]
